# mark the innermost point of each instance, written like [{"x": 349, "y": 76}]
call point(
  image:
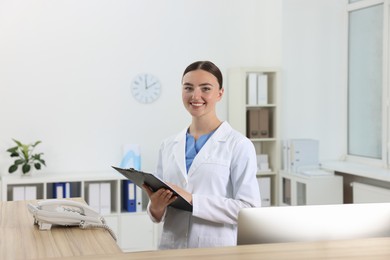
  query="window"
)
[{"x": 367, "y": 48}]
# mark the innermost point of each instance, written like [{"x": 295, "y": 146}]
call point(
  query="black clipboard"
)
[{"x": 139, "y": 178}]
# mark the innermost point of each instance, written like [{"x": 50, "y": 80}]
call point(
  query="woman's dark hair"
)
[{"x": 206, "y": 66}]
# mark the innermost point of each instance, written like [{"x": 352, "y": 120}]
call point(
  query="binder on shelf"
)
[
  {"x": 252, "y": 89},
  {"x": 61, "y": 190},
  {"x": 132, "y": 195},
  {"x": 105, "y": 198},
  {"x": 138, "y": 198},
  {"x": 58, "y": 190},
  {"x": 265, "y": 191},
  {"x": 99, "y": 197},
  {"x": 262, "y": 89},
  {"x": 253, "y": 124},
  {"x": 258, "y": 123},
  {"x": 129, "y": 196},
  {"x": 67, "y": 190},
  {"x": 94, "y": 196},
  {"x": 264, "y": 123},
  {"x": 30, "y": 193},
  {"x": 24, "y": 193},
  {"x": 18, "y": 193},
  {"x": 286, "y": 155}
]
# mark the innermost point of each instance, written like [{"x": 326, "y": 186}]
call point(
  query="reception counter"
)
[{"x": 20, "y": 239}]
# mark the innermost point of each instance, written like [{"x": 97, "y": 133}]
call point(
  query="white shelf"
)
[{"x": 237, "y": 117}]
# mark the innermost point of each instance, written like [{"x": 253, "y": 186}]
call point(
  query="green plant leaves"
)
[
  {"x": 26, "y": 168},
  {"x": 25, "y": 157},
  {"x": 12, "y": 168},
  {"x": 17, "y": 142},
  {"x": 19, "y": 162},
  {"x": 14, "y": 154},
  {"x": 36, "y": 143},
  {"x": 37, "y": 166},
  {"x": 13, "y": 149},
  {"x": 25, "y": 151}
]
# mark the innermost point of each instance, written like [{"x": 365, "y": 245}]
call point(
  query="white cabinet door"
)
[
  {"x": 298, "y": 189},
  {"x": 137, "y": 232}
]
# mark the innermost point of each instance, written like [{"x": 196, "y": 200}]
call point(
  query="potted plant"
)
[{"x": 24, "y": 156}]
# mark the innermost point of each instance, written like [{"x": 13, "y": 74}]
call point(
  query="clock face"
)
[{"x": 146, "y": 88}]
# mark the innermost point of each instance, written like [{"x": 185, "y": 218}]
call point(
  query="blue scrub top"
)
[{"x": 193, "y": 147}]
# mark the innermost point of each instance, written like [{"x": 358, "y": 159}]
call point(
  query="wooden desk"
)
[
  {"x": 368, "y": 249},
  {"x": 21, "y": 239}
]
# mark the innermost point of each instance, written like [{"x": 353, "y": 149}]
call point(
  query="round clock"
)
[{"x": 146, "y": 88}]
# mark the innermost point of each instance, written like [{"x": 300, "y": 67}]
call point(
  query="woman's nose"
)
[{"x": 197, "y": 93}]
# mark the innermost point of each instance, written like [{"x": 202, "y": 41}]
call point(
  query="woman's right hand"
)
[{"x": 159, "y": 200}]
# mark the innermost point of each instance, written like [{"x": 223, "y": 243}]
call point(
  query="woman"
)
[{"x": 210, "y": 164}]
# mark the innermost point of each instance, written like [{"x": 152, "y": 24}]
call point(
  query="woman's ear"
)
[{"x": 220, "y": 93}]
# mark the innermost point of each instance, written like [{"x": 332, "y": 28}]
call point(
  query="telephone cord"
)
[{"x": 83, "y": 225}]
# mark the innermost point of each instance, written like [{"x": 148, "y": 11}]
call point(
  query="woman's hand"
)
[
  {"x": 185, "y": 194},
  {"x": 159, "y": 201}
]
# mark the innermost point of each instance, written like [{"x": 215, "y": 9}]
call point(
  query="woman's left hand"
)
[{"x": 182, "y": 192}]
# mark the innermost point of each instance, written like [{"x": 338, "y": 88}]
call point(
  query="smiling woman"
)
[{"x": 210, "y": 164}]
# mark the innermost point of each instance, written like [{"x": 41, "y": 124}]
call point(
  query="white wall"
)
[
  {"x": 66, "y": 68},
  {"x": 314, "y": 91}
]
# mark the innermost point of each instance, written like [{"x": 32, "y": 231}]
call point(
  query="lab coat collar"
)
[{"x": 220, "y": 135}]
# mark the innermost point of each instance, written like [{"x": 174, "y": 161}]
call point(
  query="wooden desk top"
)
[
  {"x": 21, "y": 239},
  {"x": 368, "y": 249}
]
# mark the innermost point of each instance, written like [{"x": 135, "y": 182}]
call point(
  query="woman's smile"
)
[{"x": 197, "y": 103}]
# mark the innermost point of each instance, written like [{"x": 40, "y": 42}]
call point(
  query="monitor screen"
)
[{"x": 313, "y": 223}]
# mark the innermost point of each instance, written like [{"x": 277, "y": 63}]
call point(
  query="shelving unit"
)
[
  {"x": 134, "y": 230},
  {"x": 238, "y": 109},
  {"x": 299, "y": 189}
]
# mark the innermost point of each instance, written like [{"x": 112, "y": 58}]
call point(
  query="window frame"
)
[{"x": 385, "y": 155}]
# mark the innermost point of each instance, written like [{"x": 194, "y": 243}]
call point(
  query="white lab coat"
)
[{"x": 222, "y": 180}]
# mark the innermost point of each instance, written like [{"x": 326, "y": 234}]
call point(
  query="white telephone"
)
[{"x": 66, "y": 213}]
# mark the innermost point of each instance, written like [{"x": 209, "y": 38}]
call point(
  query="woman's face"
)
[{"x": 200, "y": 93}]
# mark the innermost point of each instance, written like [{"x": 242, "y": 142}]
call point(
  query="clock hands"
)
[
  {"x": 151, "y": 85},
  {"x": 146, "y": 88}
]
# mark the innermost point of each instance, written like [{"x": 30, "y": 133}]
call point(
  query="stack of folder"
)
[{"x": 61, "y": 190}]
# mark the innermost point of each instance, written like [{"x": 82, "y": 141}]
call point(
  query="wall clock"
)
[{"x": 146, "y": 88}]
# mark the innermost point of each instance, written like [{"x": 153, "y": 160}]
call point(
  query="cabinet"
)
[
  {"x": 253, "y": 109},
  {"x": 300, "y": 189},
  {"x": 134, "y": 230}
]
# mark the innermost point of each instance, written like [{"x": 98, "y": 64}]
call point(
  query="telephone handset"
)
[{"x": 66, "y": 213}]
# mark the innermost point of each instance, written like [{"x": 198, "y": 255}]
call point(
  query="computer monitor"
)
[{"x": 313, "y": 223}]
